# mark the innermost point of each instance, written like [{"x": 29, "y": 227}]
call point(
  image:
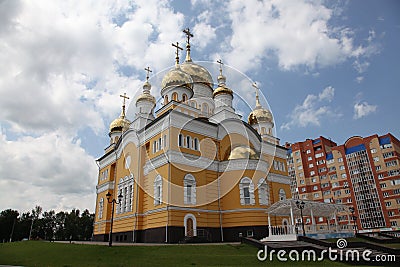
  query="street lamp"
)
[
  {"x": 113, "y": 201},
  {"x": 300, "y": 205},
  {"x": 354, "y": 218}
]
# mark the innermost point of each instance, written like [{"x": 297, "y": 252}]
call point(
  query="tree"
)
[
  {"x": 8, "y": 219},
  {"x": 35, "y": 215}
]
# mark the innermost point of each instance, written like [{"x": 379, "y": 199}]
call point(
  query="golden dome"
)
[
  {"x": 243, "y": 152},
  {"x": 176, "y": 77},
  {"x": 222, "y": 89},
  {"x": 198, "y": 73},
  {"x": 146, "y": 97},
  {"x": 260, "y": 115},
  {"x": 119, "y": 124}
]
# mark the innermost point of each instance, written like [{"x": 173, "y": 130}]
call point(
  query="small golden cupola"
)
[
  {"x": 176, "y": 85},
  {"x": 260, "y": 114},
  {"x": 120, "y": 124},
  {"x": 146, "y": 102}
]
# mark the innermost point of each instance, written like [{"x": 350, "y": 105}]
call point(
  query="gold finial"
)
[
  {"x": 258, "y": 105},
  {"x": 148, "y": 70},
  {"x": 188, "y": 35},
  {"x": 124, "y": 97},
  {"x": 177, "y": 52},
  {"x": 220, "y": 66}
]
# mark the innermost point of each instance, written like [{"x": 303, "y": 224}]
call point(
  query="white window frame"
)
[
  {"x": 189, "y": 186},
  {"x": 263, "y": 192},
  {"x": 244, "y": 185},
  {"x": 158, "y": 188}
]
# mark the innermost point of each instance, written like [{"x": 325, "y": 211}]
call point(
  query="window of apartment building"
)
[
  {"x": 335, "y": 184},
  {"x": 318, "y": 155},
  {"x": 304, "y": 196},
  {"x": 395, "y": 192},
  {"x": 398, "y": 201},
  {"x": 309, "y": 158},
  {"x": 376, "y": 159},
  {"x": 380, "y": 176},
  {"x": 386, "y": 194},
  {"x": 395, "y": 182},
  {"x": 393, "y": 223},
  {"x": 341, "y": 167},
  {"x": 382, "y": 185},
  {"x": 315, "y": 187},
  {"x": 314, "y": 179},
  {"x": 319, "y": 162},
  {"x": 300, "y": 167},
  {"x": 312, "y": 173},
  {"x": 330, "y": 161},
  {"x": 391, "y": 163},
  {"x": 388, "y": 155},
  {"x": 327, "y": 200},
  {"x": 301, "y": 181},
  {"x": 337, "y": 193},
  {"x": 328, "y": 192},
  {"x": 333, "y": 177},
  {"x": 346, "y": 184},
  {"x": 386, "y": 146},
  {"x": 297, "y": 160},
  {"x": 340, "y": 159},
  {"x": 301, "y": 174},
  {"x": 349, "y": 200},
  {"x": 388, "y": 204},
  {"x": 391, "y": 213},
  {"x": 303, "y": 189},
  {"x": 347, "y": 191},
  {"x": 344, "y": 175},
  {"x": 373, "y": 150},
  {"x": 322, "y": 170},
  {"x": 308, "y": 151},
  {"x": 297, "y": 153},
  {"x": 333, "y": 168},
  {"x": 394, "y": 172},
  {"x": 338, "y": 201},
  {"x": 316, "y": 195},
  {"x": 310, "y": 165},
  {"x": 378, "y": 167},
  {"x": 323, "y": 177}
]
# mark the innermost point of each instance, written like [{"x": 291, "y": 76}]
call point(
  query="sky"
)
[{"x": 327, "y": 68}]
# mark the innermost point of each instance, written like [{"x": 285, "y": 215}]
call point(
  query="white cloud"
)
[
  {"x": 298, "y": 33},
  {"x": 52, "y": 171},
  {"x": 204, "y": 34},
  {"x": 312, "y": 111},
  {"x": 362, "y": 109}
]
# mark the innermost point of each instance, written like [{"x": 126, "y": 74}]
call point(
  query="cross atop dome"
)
[
  {"x": 258, "y": 105},
  {"x": 124, "y": 97},
  {"x": 177, "y": 52},
  {"x": 148, "y": 70},
  {"x": 188, "y": 35}
]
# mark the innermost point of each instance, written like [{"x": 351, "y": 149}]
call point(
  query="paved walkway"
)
[{"x": 146, "y": 244}]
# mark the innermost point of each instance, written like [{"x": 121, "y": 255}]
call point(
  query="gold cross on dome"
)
[
  {"x": 188, "y": 34},
  {"x": 148, "y": 70},
  {"x": 124, "y": 97},
  {"x": 177, "y": 51},
  {"x": 220, "y": 65}
]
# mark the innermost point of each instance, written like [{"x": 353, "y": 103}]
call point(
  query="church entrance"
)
[
  {"x": 189, "y": 228},
  {"x": 190, "y": 225}
]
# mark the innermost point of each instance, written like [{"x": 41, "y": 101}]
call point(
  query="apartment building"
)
[{"x": 363, "y": 173}]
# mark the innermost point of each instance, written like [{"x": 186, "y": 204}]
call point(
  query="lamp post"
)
[
  {"x": 113, "y": 201},
  {"x": 300, "y": 205},
  {"x": 351, "y": 209}
]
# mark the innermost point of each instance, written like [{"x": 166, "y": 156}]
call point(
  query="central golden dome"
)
[
  {"x": 198, "y": 73},
  {"x": 243, "y": 152},
  {"x": 176, "y": 77},
  {"x": 260, "y": 115},
  {"x": 119, "y": 124}
]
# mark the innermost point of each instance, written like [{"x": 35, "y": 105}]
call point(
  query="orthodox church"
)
[{"x": 193, "y": 170}]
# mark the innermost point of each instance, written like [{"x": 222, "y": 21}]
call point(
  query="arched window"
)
[
  {"x": 263, "y": 130},
  {"x": 196, "y": 144},
  {"x": 204, "y": 108},
  {"x": 189, "y": 187},
  {"x": 158, "y": 190},
  {"x": 101, "y": 207},
  {"x": 175, "y": 96},
  {"x": 246, "y": 187},
  {"x": 188, "y": 141},
  {"x": 180, "y": 140},
  {"x": 282, "y": 194},
  {"x": 125, "y": 188},
  {"x": 166, "y": 100},
  {"x": 263, "y": 192},
  {"x": 184, "y": 98}
]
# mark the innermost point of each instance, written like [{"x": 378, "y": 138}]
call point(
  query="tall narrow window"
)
[
  {"x": 175, "y": 96},
  {"x": 189, "y": 193},
  {"x": 157, "y": 190},
  {"x": 188, "y": 141},
  {"x": 282, "y": 194},
  {"x": 184, "y": 98},
  {"x": 196, "y": 144},
  {"x": 263, "y": 192},
  {"x": 246, "y": 188},
  {"x": 180, "y": 140},
  {"x": 101, "y": 207}
]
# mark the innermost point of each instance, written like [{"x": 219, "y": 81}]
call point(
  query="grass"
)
[{"x": 37, "y": 253}]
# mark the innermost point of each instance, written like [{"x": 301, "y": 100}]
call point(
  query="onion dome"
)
[
  {"x": 259, "y": 114},
  {"x": 222, "y": 88},
  {"x": 122, "y": 123},
  {"x": 243, "y": 152},
  {"x": 176, "y": 78},
  {"x": 198, "y": 73},
  {"x": 146, "y": 96}
]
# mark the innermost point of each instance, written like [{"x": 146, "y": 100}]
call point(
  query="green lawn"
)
[{"x": 37, "y": 253}]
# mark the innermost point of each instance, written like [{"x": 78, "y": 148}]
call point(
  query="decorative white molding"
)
[
  {"x": 243, "y": 164},
  {"x": 104, "y": 187},
  {"x": 279, "y": 178}
]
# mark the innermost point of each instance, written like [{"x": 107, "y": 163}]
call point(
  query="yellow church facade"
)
[{"x": 193, "y": 170}]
